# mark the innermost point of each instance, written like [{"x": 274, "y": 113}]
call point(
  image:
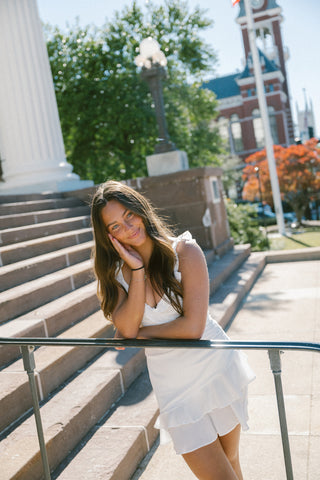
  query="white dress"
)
[{"x": 202, "y": 393}]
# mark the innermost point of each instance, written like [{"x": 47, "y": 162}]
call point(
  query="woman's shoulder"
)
[
  {"x": 185, "y": 245},
  {"x": 183, "y": 239}
]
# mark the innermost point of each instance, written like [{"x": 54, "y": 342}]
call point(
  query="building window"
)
[
  {"x": 273, "y": 125},
  {"x": 215, "y": 189},
  {"x": 223, "y": 127},
  {"x": 258, "y": 127},
  {"x": 249, "y": 92},
  {"x": 271, "y": 87},
  {"x": 236, "y": 133}
]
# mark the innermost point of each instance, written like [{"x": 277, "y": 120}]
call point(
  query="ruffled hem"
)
[
  {"x": 224, "y": 390},
  {"x": 189, "y": 437}
]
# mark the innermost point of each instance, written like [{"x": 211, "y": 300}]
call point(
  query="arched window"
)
[
  {"x": 236, "y": 133},
  {"x": 223, "y": 126},
  {"x": 273, "y": 125},
  {"x": 258, "y": 127}
]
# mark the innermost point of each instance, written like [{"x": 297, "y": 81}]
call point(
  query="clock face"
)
[{"x": 257, "y": 3}]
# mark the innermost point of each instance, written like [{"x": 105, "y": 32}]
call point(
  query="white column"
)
[{"x": 31, "y": 143}]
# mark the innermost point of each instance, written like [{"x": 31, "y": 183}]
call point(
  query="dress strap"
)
[{"x": 176, "y": 240}]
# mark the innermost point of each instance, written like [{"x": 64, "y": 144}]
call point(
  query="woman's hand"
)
[
  {"x": 130, "y": 256},
  {"x": 119, "y": 336},
  {"x": 142, "y": 334}
]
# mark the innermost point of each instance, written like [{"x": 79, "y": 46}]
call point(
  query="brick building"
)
[{"x": 239, "y": 117}]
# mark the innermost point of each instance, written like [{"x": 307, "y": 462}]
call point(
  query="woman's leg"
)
[
  {"x": 230, "y": 445},
  {"x": 210, "y": 463}
]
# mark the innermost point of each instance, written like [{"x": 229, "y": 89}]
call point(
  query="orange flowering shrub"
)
[{"x": 298, "y": 170}]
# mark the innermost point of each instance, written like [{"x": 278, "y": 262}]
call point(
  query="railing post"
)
[
  {"x": 29, "y": 366},
  {"x": 275, "y": 364}
]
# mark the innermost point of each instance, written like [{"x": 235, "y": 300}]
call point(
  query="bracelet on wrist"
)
[{"x": 135, "y": 269}]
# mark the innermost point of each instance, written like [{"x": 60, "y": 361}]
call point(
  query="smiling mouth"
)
[{"x": 134, "y": 235}]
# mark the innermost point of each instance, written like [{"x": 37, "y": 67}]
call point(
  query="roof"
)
[
  {"x": 269, "y": 65},
  {"x": 227, "y": 86},
  {"x": 223, "y": 87}
]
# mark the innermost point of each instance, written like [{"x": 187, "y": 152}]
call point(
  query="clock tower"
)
[{"x": 267, "y": 15}]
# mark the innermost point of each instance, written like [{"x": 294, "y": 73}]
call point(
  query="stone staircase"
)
[{"x": 97, "y": 405}]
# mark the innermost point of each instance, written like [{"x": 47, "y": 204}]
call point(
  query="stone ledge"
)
[{"x": 300, "y": 254}]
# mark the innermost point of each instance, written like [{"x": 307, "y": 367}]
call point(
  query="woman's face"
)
[{"x": 124, "y": 225}]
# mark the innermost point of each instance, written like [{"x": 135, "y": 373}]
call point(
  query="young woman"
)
[{"x": 153, "y": 285}]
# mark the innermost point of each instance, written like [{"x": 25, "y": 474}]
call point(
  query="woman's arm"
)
[
  {"x": 128, "y": 313},
  {"x": 195, "y": 284}
]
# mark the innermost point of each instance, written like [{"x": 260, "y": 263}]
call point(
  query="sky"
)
[{"x": 300, "y": 33}]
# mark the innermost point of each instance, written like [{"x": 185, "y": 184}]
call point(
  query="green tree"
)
[
  {"x": 105, "y": 108},
  {"x": 244, "y": 226}
]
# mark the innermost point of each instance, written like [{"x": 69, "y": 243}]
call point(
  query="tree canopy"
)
[
  {"x": 106, "y": 110},
  {"x": 298, "y": 169}
]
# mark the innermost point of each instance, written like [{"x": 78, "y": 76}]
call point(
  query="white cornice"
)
[
  {"x": 266, "y": 76},
  {"x": 273, "y": 12},
  {"x": 261, "y": 23},
  {"x": 283, "y": 96},
  {"x": 230, "y": 102}
]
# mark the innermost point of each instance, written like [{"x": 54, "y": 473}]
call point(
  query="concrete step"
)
[
  {"x": 50, "y": 319},
  {"x": 32, "y": 268},
  {"x": 14, "y": 235},
  {"x": 220, "y": 269},
  {"x": 227, "y": 299},
  {"x": 70, "y": 414},
  {"x": 41, "y": 216},
  {"x": 117, "y": 445},
  {"x": 54, "y": 366},
  {"x": 27, "y": 197},
  {"x": 36, "y": 205},
  {"x": 24, "y": 298},
  {"x": 38, "y": 246}
]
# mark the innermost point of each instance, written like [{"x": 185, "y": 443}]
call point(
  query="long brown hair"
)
[{"x": 107, "y": 260}]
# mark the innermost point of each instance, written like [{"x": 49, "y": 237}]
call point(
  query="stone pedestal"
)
[
  {"x": 168, "y": 162},
  {"x": 191, "y": 200},
  {"x": 31, "y": 144}
]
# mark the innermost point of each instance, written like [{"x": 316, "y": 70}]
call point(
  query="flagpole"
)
[{"x": 265, "y": 119}]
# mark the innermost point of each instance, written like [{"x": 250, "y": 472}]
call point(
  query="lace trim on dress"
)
[{"x": 175, "y": 242}]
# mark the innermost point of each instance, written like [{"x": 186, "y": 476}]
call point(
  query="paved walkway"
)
[{"x": 284, "y": 304}]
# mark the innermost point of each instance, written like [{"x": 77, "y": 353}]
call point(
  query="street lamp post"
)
[
  {"x": 153, "y": 61},
  {"x": 265, "y": 118}
]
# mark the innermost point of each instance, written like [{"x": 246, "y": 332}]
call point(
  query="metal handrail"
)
[
  {"x": 28, "y": 344},
  {"x": 158, "y": 343}
]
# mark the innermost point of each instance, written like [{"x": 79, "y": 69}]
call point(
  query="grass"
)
[{"x": 303, "y": 238}]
